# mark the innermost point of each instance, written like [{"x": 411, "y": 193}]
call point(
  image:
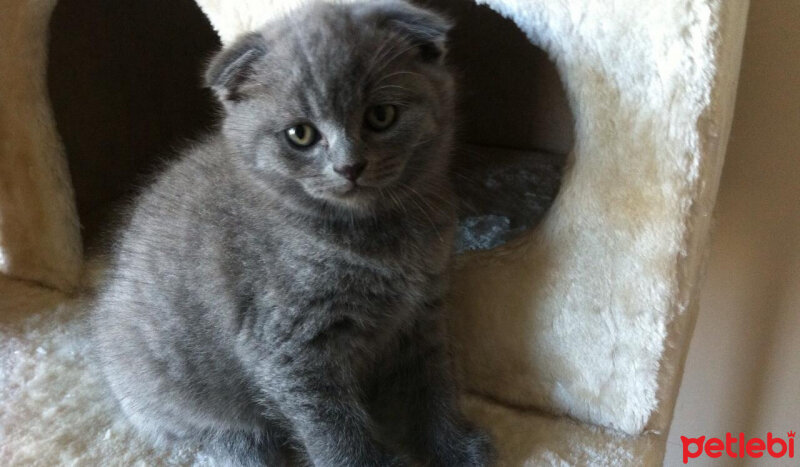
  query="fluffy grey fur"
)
[{"x": 265, "y": 295}]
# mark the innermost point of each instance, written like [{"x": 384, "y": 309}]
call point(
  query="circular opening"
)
[
  {"x": 516, "y": 126},
  {"x": 124, "y": 82}
]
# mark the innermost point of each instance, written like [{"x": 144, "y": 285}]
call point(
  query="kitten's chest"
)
[
  {"x": 395, "y": 274},
  {"x": 307, "y": 278},
  {"x": 403, "y": 253},
  {"x": 380, "y": 278}
]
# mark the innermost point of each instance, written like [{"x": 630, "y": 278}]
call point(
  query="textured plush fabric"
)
[
  {"x": 573, "y": 320},
  {"x": 55, "y": 411},
  {"x": 39, "y": 236},
  {"x": 585, "y": 317}
]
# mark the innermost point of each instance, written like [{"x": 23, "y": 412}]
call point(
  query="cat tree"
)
[{"x": 571, "y": 338}]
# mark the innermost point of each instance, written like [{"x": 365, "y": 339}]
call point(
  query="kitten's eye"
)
[
  {"x": 381, "y": 117},
  {"x": 302, "y": 136}
]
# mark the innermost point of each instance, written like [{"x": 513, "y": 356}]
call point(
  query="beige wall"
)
[{"x": 743, "y": 369}]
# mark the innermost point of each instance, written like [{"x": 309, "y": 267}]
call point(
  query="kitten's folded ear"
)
[
  {"x": 231, "y": 67},
  {"x": 422, "y": 27}
]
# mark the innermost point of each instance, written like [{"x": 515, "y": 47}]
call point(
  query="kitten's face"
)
[{"x": 350, "y": 104}]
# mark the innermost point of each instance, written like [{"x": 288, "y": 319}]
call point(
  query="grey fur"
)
[{"x": 255, "y": 304}]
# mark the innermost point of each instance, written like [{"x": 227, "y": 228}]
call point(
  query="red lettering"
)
[
  {"x": 771, "y": 442},
  {"x": 775, "y": 446},
  {"x": 688, "y": 442},
  {"x": 741, "y": 444},
  {"x": 730, "y": 441},
  {"x": 714, "y": 447},
  {"x": 754, "y": 447}
]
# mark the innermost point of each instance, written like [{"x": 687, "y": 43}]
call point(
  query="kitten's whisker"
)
[
  {"x": 377, "y": 57},
  {"x": 422, "y": 208},
  {"x": 389, "y": 86},
  {"x": 397, "y": 73},
  {"x": 446, "y": 201},
  {"x": 395, "y": 57},
  {"x": 422, "y": 142}
]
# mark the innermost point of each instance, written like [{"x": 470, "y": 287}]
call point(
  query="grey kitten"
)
[{"x": 281, "y": 284}]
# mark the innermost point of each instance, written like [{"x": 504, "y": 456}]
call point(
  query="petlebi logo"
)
[{"x": 739, "y": 447}]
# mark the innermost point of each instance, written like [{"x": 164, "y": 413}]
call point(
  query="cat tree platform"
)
[{"x": 571, "y": 339}]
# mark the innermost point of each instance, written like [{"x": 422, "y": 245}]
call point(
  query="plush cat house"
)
[{"x": 570, "y": 338}]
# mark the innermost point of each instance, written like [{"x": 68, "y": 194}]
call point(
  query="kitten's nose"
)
[{"x": 351, "y": 171}]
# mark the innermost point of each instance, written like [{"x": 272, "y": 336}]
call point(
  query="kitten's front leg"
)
[
  {"x": 440, "y": 435},
  {"x": 319, "y": 392}
]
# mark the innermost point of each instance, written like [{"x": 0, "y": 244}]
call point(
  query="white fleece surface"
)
[
  {"x": 55, "y": 410},
  {"x": 573, "y": 319}
]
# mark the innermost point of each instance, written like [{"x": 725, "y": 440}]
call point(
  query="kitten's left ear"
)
[
  {"x": 231, "y": 67},
  {"x": 422, "y": 27}
]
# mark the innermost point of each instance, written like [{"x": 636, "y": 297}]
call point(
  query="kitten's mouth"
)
[
  {"x": 352, "y": 194},
  {"x": 354, "y": 189}
]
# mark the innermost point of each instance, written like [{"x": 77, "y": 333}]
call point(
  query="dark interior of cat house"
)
[{"x": 125, "y": 86}]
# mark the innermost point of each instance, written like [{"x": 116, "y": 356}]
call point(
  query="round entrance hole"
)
[
  {"x": 515, "y": 126},
  {"x": 125, "y": 86}
]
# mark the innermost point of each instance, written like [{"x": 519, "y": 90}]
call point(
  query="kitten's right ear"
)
[
  {"x": 422, "y": 27},
  {"x": 233, "y": 65}
]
